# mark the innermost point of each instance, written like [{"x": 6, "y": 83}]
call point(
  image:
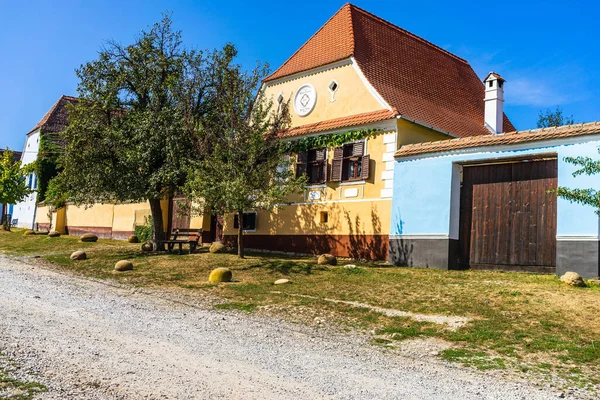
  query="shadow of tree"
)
[{"x": 286, "y": 267}]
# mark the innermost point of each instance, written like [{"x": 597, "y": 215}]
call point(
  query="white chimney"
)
[{"x": 494, "y": 102}]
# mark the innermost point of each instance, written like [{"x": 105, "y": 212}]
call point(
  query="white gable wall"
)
[{"x": 25, "y": 211}]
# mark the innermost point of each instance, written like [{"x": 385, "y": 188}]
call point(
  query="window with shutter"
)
[
  {"x": 354, "y": 164},
  {"x": 314, "y": 164}
]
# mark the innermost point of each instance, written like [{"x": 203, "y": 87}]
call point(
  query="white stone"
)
[
  {"x": 351, "y": 192},
  {"x": 281, "y": 281},
  {"x": 314, "y": 195},
  {"x": 385, "y": 175},
  {"x": 388, "y": 156},
  {"x": 389, "y": 165},
  {"x": 389, "y": 138},
  {"x": 388, "y": 184},
  {"x": 390, "y": 147},
  {"x": 305, "y": 100},
  {"x": 386, "y": 193},
  {"x": 350, "y": 266}
]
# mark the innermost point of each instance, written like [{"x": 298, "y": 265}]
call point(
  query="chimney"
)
[{"x": 494, "y": 102}]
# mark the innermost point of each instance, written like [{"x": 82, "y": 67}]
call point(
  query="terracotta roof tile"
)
[
  {"x": 421, "y": 80},
  {"x": 516, "y": 137},
  {"x": 56, "y": 119},
  {"x": 353, "y": 120}
]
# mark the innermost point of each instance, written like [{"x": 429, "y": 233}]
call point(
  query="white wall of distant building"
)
[{"x": 24, "y": 212}]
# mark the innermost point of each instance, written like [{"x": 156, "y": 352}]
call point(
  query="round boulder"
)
[
  {"x": 572, "y": 279},
  {"x": 53, "y": 234},
  {"x": 133, "y": 239},
  {"x": 78, "y": 255},
  {"x": 29, "y": 232},
  {"x": 148, "y": 246},
  {"x": 89, "y": 237},
  {"x": 123, "y": 265},
  {"x": 281, "y": 281},
  {"x": 220, "y": 275},
  {"x": 217, "y": 247},
  {"x": 327, "y": 259},
  {"x": 594, "y": 282}
]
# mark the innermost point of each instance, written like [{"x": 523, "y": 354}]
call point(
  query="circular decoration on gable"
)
[{"x": 305, "y": 100}]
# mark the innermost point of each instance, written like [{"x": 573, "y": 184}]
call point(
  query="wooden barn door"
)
[
  {"x": 179, "y": 219},
  {"x": 507, "y": 216}
]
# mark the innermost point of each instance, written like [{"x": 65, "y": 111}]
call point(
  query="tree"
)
[
  {"x": 128, "y": 138},
  {"x": 549, "y": 118},
  {"x": 244, "y": 165},
  {"x": 590, "y": 196},
  {"x": 14, "y": 187}
]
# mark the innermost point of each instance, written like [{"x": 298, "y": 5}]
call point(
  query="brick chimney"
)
[{"x": 494, "y": 102}]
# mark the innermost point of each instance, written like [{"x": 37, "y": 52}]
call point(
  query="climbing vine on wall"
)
[
  {"x": 46, "y": 164},
  {"x": 331, "y": 140}
]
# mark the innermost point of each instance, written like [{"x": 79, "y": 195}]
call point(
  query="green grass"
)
[
  {"x": 15, "y": 389},
  {"x": 525, "y": 319}
]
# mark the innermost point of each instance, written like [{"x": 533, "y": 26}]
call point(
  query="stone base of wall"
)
[
  {"x": 369, "y": 247},
  {"x": 581, "y": 256},
  {"x": 104, "y": 232},
  {"x": 424, "y": 253},
  {"x": 43, "y": 227}
]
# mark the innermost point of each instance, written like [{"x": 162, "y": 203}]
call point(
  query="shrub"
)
[{"x": 144, "y": 232}]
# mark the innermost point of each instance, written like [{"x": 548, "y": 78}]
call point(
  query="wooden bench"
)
[{"x": 181, "y": 236}]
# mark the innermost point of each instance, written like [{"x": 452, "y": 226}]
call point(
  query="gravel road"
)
[{"x": 92, "y": 340}]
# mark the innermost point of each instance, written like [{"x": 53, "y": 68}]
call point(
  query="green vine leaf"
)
[{"x": 331, "y": 140}]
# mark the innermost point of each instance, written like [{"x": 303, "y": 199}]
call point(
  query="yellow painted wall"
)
[
  {"x": 41, "y": 215},
  {"x": 98, "y": 215},
  {"x": 409, "y": 133},
  {"x": 125, "y": 215},
  {"x": 351, "y": 97}
]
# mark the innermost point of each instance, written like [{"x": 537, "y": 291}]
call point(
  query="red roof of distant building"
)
[
  {"x": 56, "y": 119},
  {"x": 421, "y": 80}
]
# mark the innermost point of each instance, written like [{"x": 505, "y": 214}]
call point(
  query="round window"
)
[{"x": 305, "y": 100}]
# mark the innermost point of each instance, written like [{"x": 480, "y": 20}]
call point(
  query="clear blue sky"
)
[{"x": 548, "y": 51}]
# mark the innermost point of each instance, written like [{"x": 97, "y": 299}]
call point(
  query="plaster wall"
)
[{"x": 25, "y": 211}]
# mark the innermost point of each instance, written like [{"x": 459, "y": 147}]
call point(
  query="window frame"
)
[
  {"x": 312, "y": 161},
  {"x": 236, "y": 220}
]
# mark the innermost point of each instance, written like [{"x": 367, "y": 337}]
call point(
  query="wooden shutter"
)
[
  {"x": 336, "y": 164},
  {"x": 321, "y": 156},
  {"x": 301, "y": 165},
  {"x": 364, "y": 172},
  {"x": 358, "y": 148}
]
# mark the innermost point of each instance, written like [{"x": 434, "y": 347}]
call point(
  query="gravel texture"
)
[{"x": 88, "y": 339}]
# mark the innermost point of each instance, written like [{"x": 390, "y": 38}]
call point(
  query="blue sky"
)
[{"x": 548, "y": 51}]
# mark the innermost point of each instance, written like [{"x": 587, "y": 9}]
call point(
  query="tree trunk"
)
[
  {"x": 157, "y": 224},
  {"x": 5, "y": 222},
  {"x": 240, "y": 241}
]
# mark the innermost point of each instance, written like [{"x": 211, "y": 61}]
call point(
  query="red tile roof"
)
[
  {"x": 353, "y": 120},
  {"x": 421, "y": 80},
  {"x": 516, "y": 137},
  {"x": 56, "y": 119}
]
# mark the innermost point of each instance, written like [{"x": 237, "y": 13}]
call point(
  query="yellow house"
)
[{"x": 360, "y": 74}]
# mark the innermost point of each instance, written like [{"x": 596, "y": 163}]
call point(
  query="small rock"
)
[
  {"x": 28, "y": 232},
  {"x": 217, "y": 247},
  {"x": 89, "y": 237},
  {"x": 594, "y": 282},
  {"x": 220, "y": 275},
  {"x": 148, "y": 246},
  {"x": 133, "y": 239},
  {"x": 78, "y": 255},
  {"x": 327, "y": 259},
  {"x": 572, "y": 279},
  {"x": 281, "y": 281},
  {"x": 123, "y": 265},
  {"x": 435, "y": 353},
  {"x": 350, "y": 266},
  {"x": 53, "y": 234}
]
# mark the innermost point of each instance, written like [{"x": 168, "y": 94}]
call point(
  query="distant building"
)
[{"x": 55, "y": 120}]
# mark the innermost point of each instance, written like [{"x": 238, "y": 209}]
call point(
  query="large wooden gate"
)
[
  {"x": 507, "y": 216},
  {"x": 180, "y": 218}
]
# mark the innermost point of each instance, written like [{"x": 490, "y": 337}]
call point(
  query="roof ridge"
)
[
  {"x": 345, "y": 6},
  {"x": 404, "y": 31}
]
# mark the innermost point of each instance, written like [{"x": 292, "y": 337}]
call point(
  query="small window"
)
[
  {"x": 35, "y": 182},
  {"x": 491, "y": 83},
  {"x": 314, "y": 164},
  {"x": 323, "y": 217},
  {"x": 248, "y": 220},
  {"x": 333, "y": 87}
]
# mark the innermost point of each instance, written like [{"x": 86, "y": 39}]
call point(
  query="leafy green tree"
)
[
  {"x": 131, "y": 136},
  {"x": 13, "y": 182},
  {"x": 588, "y": 166},
  {"x": 549, "y": 118},
  {"x": 244, "y": 166}
]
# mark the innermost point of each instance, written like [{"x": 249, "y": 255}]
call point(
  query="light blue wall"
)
[{"x": 423, "y": 188}]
